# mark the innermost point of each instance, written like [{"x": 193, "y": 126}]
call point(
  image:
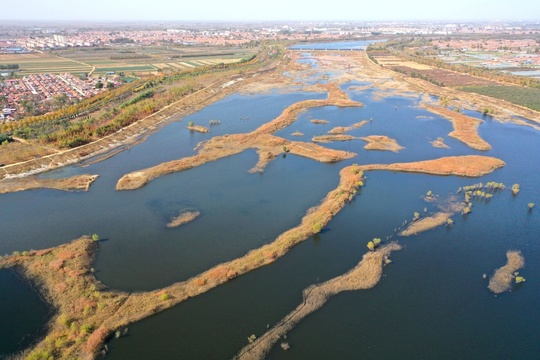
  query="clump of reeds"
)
[{"x": 501, "y": 280}]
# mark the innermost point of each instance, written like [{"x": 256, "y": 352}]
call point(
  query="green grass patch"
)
[
  {"x": 524, "y": 96},
  {"x": 127, "y": 68}
]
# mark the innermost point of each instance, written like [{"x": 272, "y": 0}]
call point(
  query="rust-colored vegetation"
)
[
  {"x": 382, "y": 143},
  {"x": 198, "y": 128},
  {"x": 87, "y": 313},
  {"x": 468, "y": 165},
  {"x": 344, "y": 129},
  {"x": 465, "y": 127},
  {"x": 332, "y": 138},
  {"x": 365, "y": 275},
  {"x": 74, "y": 183},
  {"x": 268, "y": 146},
  {"x": 439, "y": 143}
]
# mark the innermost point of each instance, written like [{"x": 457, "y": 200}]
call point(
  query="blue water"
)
[
  {"x": 431, "y": 303},
  {"x": 341, "y": 45},
  {"x": 23, "y": 313},
  {"x": 531, "y": 73}
]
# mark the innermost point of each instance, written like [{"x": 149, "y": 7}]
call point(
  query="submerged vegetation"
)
[{"x": 183, "y": 218}]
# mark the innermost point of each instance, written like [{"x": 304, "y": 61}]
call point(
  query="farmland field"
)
[
  {"x": 528, "y": 97},
  {"x": 440, "y": 76},
  {"x": 124, "y": 59},
  {"x": 43, "y": 63}
]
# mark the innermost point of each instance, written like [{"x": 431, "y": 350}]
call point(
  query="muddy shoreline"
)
[{"x": 74, "y": 183}]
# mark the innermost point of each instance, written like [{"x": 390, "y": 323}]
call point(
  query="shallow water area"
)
[{"x": 341, "y": 45}]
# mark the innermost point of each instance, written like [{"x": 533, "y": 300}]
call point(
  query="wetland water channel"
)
[{"x": 431, "y": 303}]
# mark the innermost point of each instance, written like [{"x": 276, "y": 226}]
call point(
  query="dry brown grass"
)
[
  {"x": 74, "y": 183},
  {"x": 394, "y": 61},
  {"x": 137, "y": 131},
  {"x": 320, "y": 122},
  {"x": 468, "y": 165},
  {"x": 267, "y": 145},
  {"x": 365, "y": 275},
  {"x": 198, "y": 128},
  {"x": 465, "y": 127},
  {"x": 439, "y": 144},
  {"x": 381, "y": 143},
  {"x": 183, "y": 218},
  {"x": 63, "y": 275},
  {"x": 344, "y": 129},
  {"x": 501, "y": 280},
  {"x": 17, "y": 151},
  {"x": 332, "y": 138},
  {"x": 425, "y": 224}
]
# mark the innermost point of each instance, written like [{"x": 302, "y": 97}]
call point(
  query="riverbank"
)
[
  {"x": 74, "y": 183},
  {"x": 212, "y": 91}
]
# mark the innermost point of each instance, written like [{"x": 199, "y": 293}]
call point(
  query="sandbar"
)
[
  {"x": 465, "y": 127},
  {"x": 183, "y": 218},
  {"x": 381, "y": 143},
  {"x": 468, "y": 166},
  {"x": 426, "y": 223},
  {"x": 267, "y": 145},
  {"x": 365, "y": 275},
  {"x": 74, "y": 183},
  {"x": 344, "y": 129},
  {"x": 332, "y": 138},
  {"x": 501, "y": 281},
  {"x": 198, "y": 128}
]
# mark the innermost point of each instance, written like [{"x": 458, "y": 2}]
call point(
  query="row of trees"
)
[
  {"x": 9, "y": 66},
  {"x": 408, "y": 48},
  {"x": 58, "y": 127}
]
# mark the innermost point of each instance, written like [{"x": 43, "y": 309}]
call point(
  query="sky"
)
[{"x": 270, "y": 10}]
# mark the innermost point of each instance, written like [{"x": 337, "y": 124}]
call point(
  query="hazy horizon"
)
[{"x": 276, "y": 11}]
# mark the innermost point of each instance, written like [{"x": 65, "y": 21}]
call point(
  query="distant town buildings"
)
[
  {"x": 42, "y": 88},
  {"x": 48, "y": 39}
]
